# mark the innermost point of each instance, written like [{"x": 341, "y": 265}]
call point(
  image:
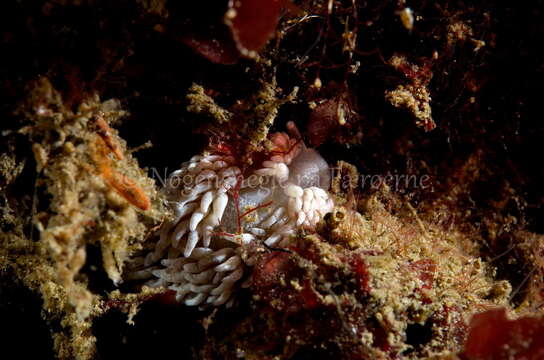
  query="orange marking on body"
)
[
  {"x": 256, "y": 208},
  {"x": 222, "y": 233}
]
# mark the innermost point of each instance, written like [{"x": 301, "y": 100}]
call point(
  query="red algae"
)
[
  {"x": 493, "y": 336},
  {"x": 252, "y": 23}
]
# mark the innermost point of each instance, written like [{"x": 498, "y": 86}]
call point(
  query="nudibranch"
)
[{"x": 225, "y": 212}]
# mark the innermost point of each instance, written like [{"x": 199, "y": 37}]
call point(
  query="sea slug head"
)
[{"x": 310, "y": 169}]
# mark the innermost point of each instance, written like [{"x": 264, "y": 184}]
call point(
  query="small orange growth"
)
[
  {"x": 126, "y": 188},
  {"x": 104, "y": 131},
  {"x": 122, "y": 184}
]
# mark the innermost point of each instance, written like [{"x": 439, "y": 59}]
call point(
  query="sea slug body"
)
[{"x": 221, "y": 211}]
